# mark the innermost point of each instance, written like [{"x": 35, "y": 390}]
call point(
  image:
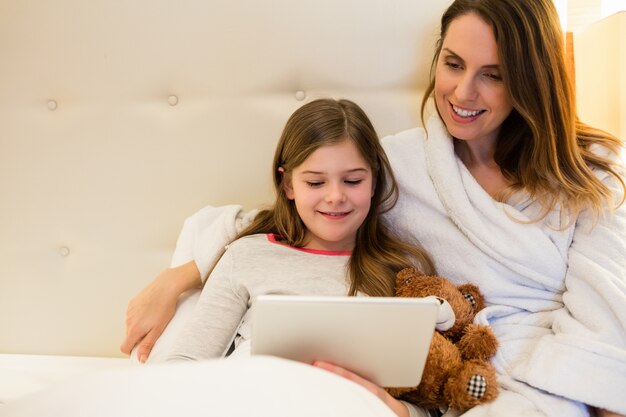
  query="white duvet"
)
[
  {"x": 258, "y": 385},
  {"x": 24, "y": 375}
]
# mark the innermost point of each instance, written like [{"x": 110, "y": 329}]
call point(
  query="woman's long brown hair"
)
[{"x": 543, "y": 148}]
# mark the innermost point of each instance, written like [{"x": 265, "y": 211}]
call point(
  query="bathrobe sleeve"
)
[
  {"x": 590, "y": 330},
  {"x": 206, "y": 233}
]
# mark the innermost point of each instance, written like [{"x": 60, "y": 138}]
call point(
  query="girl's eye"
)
[
  {"x": 314, "y": 184},
  {"x": 353, "y": 182}
]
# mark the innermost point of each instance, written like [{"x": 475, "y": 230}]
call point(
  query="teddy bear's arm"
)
[{"x": 478, "y": 342}]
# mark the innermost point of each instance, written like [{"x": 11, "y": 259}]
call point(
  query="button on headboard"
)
[{"x": 118, "y": 119}]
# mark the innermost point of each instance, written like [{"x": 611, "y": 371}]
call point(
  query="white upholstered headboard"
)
[{"x": 118, "y": 119}]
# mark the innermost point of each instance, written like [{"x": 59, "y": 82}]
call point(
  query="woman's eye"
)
[
  {"x": 494, "y": 77},
  {"x": 452, "y": 65}
]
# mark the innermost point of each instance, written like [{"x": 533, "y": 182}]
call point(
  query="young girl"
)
[{"x": 323, "y": 235}]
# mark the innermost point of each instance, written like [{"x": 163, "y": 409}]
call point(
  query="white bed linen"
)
[
  {"x": 258, "y": 385},
  {"x": 21, "y": 375}
]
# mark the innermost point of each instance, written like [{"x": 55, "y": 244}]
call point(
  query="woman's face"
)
[{"x": 469, "y": 91}]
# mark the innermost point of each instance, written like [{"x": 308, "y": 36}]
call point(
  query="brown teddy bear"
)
[{"x": 457, "y": 373}]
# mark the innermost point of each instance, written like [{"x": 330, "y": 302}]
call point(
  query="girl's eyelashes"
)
[{"x": 316, "y": 184}]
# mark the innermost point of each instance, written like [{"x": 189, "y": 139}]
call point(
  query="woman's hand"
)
[
  {"x": 151, "y": 310},
  {"x": 396, "y": 406}
]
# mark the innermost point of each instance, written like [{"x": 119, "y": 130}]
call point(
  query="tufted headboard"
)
[{"x": 118, "y": 119}]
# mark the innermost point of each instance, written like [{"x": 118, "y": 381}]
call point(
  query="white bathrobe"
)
[{"x": 556, "y": 295}]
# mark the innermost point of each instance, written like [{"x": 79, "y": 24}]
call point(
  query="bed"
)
[{"x": 118, "y": 119}]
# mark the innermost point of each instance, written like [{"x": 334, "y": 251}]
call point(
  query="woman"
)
[{"x": 505, "y": 188}]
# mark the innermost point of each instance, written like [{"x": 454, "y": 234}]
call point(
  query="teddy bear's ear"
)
[
  {"x": 473, "y": 295},
  {"x": 405, "y": 276}
]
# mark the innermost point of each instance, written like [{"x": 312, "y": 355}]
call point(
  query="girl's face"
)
[
  {"x": 469, "y": 91},
  {"x": 332, "y": 190}
]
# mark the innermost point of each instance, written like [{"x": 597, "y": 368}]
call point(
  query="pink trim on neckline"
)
[{"x": 271, "y": 237}]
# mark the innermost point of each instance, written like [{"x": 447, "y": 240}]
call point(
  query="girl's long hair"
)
[
  {"x": 543, "y": 148},
  {"x": 378, "y": 254}
]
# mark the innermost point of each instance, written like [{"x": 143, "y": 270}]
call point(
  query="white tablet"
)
[{"x": 384, "y": 339}]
